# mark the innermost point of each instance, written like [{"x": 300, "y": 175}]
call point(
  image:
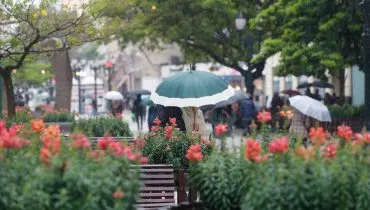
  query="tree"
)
[
  {"x": 33, "y": 72},
  {"x": 27, "y": 27},
  {"x": 312, "y": 36},
  {"x": 201, "y": 28}
]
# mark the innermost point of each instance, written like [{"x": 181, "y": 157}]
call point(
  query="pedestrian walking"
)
[
  {"x": 117, "y": 107},
  {"x": 248, "y": 112},
  {"x": 276, "y": 104},
  {"x": 165, "y": 113},
  {"x": 300, "y": 125},
  {"x": 139, "y": 112},
  {"x": 94, "y": 106}
]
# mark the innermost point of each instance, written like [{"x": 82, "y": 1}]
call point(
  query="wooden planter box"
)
[{"x": 65, "y": 127}]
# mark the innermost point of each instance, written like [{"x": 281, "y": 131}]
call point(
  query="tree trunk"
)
[
  {"x": 9, "y": 89},
  {"x": 63, "y": 79},
  {"x": 4, "y": 101},
  {"x": 342, "y": 80}
]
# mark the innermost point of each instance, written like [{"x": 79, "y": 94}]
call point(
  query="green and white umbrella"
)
[{"x": 192, "y": 88}]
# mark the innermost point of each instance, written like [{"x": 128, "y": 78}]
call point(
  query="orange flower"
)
[
  {"x": 194, "y": 153},
  {"x": 279, "y": 145},
  {"x": 220, "y": 129},
  {"x": 330, "y": 150},
  {"x": 305, "y": 153},
  {"x": 264, "y": 117},
  {"x": 317, "y": 136},
  {"x": 52, "y": 131},
  {"x": 252, "y": 149},
  {"x": 345, "y": 132},
  {"x": 118, "y": 195},
  {"x": 37, "y": 125}
]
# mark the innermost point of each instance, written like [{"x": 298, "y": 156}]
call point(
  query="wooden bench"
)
[{"x": 158, "y": 187}]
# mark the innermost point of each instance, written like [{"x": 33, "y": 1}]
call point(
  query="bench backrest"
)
[{"x": 158, "y": 186}]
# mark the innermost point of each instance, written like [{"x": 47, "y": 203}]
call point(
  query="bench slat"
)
[
  {"x": 156, "y": 182},
  {"x": 160, "y": 189},
  {"x": 157, "y": 200},
  {"x": 144, "y": 195},
  {"x": 157, "y": 170},
  {"x": 156, "y": 176}
]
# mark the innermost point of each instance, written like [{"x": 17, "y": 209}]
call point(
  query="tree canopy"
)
[
  {"x": 203, "y": 29},
  {"x": 312, "y": 36}
]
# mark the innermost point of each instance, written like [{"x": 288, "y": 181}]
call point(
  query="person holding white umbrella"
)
[
  {"x": 116, "y": 97},
  {"x": 306, "y": 108}
]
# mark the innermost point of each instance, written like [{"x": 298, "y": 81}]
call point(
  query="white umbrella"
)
[
  {"x": 311, "y": 107},
  {"x": 113, "y": 95}
]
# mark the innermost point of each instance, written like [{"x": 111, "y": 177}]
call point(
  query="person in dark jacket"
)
[
  {"x": 164, "y": 113},
  {"x": 139, "y": 112},
  {"x": 248, "y": 112},
  {"x": 276, "y": 104}
]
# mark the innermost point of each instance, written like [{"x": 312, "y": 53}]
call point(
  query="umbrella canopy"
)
[
  {"x": 146, "y": 102},
  {"x": 311, "y": 107},
  {"x": 192, "y": 88},
  {"x": 304, "y": 85},
  {"x": 291, "y": 92},
  {"x": 322, "y": 84},
  {"x": 238, "y": 96},
  {"x": 113, "y": 95}
]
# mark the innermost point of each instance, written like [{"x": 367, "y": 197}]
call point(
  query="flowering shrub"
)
[
  {"x": 22, "y": 115},
  {"x": 168, "y": 145},
  {"x": 264, "y": 117},
  {"x": 101, "y": 126},
  {"x": 328, "y": 173},
  {"x": 50, "y": 172}
]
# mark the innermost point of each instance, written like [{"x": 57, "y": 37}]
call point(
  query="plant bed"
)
[
  {"x": 101, "y": 126},
  {"x": 39, "y": 169},
  {"x": 326, "y": 173}
]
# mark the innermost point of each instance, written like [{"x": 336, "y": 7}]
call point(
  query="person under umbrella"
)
[{"x": 194, "y": 120}]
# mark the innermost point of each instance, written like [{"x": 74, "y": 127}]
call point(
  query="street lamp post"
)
[
  {"x": 240, "y": 23},
  {"x": 365, "y": 4},
  {"x": 77, "y": 68},
  {"x": 95, "y": 68}
]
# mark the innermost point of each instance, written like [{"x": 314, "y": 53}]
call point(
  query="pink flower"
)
[
  {"x": 172, "y": 121},
  {"x": 194, "y": 153},
  {"x": 220, "y": 129},
  {"x": 264, "y": 117},
  {"x": 365, "y": 137},
  {"x": 157, "y": 121},
  {"x": 144, "y": 160},
  {"x": 345, "y": 132},
  {"x": 252, "y": 150},
  {"x": 168, "y": 131},
  {"x": 104, "y": 142},
  {"x": 80, "y": 141},
  {"x": 118, "y": 195},
  {"x": 279, "y": 145},
  {"x": 139, "y": 143},
  {"x": 330, "y": 150}
]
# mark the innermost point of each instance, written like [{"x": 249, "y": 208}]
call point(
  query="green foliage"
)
[
  {"x": 347, "y": 111},
  {"x": 58, "y": 116},
  {"x": 73, "y": 180},
  {"x": 101, "y": 126},
  {"x": 33, "y": 73},
  {"x": 312, "y": 36},
  {"x": 22, "y": 116},
  {"x": 221, "y": 181},
  {"x": 161, "y": 150}
]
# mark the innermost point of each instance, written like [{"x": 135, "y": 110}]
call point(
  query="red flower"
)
[
  {"x": 330, "y": 150},
  {"x": 279, "y": 145},
  {"x": 45, "y": 156},
  {"x": 168, "y": 131},
  {"x": 139, "y": 143},
  {"x": 118, "y": 195},
  {"x": 119, "y": 115},
  {"x": 103, "y": 142},
  {"x": 220, "y": 129},
  {"x": 252, "y": 149},
  {"x": 264, "y": 117},
  {"x": 365, "y": 137},
  {"x": 305, "y": 153},
  {"x": 261, "y": 158},
  {"x": 9, "y": 138},
  {"x": 317, "y": 136},
  {"x": 157, "y": 121},
  {"x": 345, "y": 132},
  {"x": 155, "y": 128},
  {"x": 194, "y": 153},
  {"x": 144, "y": 160},
  {"x": 80, "y": 141},
  {"x": 172, "y": 121}
]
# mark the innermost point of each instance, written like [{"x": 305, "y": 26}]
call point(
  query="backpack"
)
[{"x": 248, "y": 109}]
